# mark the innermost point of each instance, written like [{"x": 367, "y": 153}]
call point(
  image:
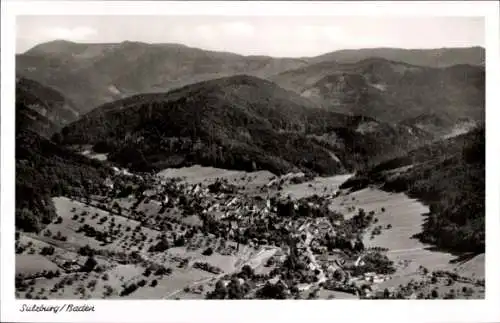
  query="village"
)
[{"x": 283, "y": 247}]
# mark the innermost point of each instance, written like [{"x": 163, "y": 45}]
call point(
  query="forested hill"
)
[
  {"x": 93, "y": 74},
  {"x": 449, "y": 177},
  {"x": 44, "y": 169},
  {"x": 41, "y": 108},
  {"x": 240, "y": 122}
]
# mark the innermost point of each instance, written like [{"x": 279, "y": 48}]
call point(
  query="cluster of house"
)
[
  {"x": 217, "y": 200},
  {"x": 219, "y": 203}
]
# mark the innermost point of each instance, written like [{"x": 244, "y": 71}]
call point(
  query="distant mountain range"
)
[
  {"x": 93, "y": 74},
  {"x": 439, "y": 57},
  {"x": 252, "y": 112},
  {"x": 391, "y": 91}
]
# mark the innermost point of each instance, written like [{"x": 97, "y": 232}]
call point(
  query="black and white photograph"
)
[{"x": 247, "y": 157}]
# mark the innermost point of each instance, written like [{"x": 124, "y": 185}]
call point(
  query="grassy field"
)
[
  {"x": 404, "y": 215},
  {"x": 319, "y": 186},
  {"x": 32, "y": 264},
  {"x": 92, "y": 216},
  {"x": 474, "y": 267},
  {"x": 199, "y": 174},
  {"x": 170, "y": 284}
]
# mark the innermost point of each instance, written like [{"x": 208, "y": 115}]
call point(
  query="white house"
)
[{"x": 109, "y": 183}]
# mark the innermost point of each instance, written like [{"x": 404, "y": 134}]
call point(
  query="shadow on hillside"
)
[{"x": 460, "y": 257}]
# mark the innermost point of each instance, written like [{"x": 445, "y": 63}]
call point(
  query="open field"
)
[
  {"x": 96, "y": 217},
  {"x": 200, "y": 174},
  {"x": 319, "y": 186},
  {"x": 474, "y": 267},
  {"x": 404, "y": 215},
  {"x": 32, "y": 264},
  {"x": 171, "y": 284}
]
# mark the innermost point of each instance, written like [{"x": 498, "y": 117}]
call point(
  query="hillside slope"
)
[
  {"x": 42, "y": 109},
  {"x": 43, "y": 169},
  {"x": 240, "y": 122},
  {"x": 449, "y": 177},
  {"x": 392, "y": 91}
]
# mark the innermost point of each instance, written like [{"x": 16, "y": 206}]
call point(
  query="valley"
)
[{"x": 195, "y": 174}]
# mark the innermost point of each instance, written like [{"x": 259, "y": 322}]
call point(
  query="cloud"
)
[{"x": 77, "y": 33}]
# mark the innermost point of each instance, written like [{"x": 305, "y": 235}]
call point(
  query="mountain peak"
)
[{"x": 54, "y": 46}]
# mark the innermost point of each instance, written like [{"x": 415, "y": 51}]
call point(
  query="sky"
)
[{"x": 278, "y": 36}]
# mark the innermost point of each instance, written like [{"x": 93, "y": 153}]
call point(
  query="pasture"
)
[
  {"x": 400, "y": 217},
  {"x": 200, "y": 174},
  {"x": 319, "y": 186}
]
